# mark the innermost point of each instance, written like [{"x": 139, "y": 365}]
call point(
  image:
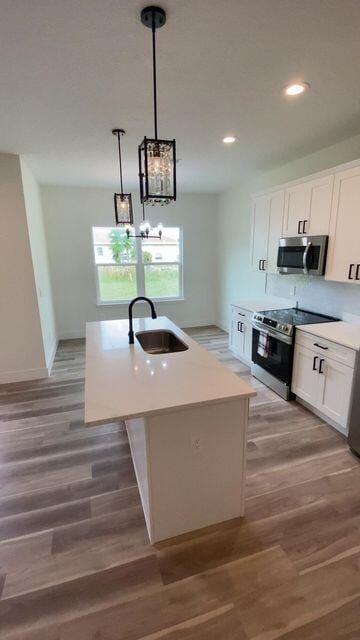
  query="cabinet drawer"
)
[
  {"x": 337, "y": 352},
  {"x": 241, "y": 314}
]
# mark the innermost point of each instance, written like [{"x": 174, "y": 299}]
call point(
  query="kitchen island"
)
[{"x": 186, "y": 418}]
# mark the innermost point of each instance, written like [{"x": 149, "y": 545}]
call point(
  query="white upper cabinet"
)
[
  {"x": 327, "y": 205},
  {"x": 308, "y": 207},
  {"x": 267, "y": 222},
  {"x": 321, "y": 191},
  {"x": 259, "y": 235},
  {"x": 276, "y": 218},
  {"x": 343, "y": 262},
  {"x": 297, "y": 208}
]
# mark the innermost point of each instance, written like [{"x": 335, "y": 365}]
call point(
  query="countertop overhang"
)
[{"x": 122, "y": 381}]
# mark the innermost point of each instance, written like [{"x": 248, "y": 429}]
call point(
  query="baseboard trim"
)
[
  {"x": 21, "y": 376},
  {"x": 50, "y": 360},
  {"x": 222, "y": 326},
  {"x": 319, "y": 414},
  {"x": 73, "y": 335}
]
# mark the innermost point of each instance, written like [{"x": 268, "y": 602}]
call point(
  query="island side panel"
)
[
  {"x": 197, "y": 470},
  {"x": 137, "y": 434}
]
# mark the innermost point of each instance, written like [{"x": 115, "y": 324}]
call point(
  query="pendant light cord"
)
[
  {"x": 120, "y": 165},
  {"x": 153, "y": 28}
]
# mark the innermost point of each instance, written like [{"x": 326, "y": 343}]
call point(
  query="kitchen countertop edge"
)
[{"x": 335, "y": 332}]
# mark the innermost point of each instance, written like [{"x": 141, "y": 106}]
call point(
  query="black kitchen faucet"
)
[{"x": 153, "y": 314}]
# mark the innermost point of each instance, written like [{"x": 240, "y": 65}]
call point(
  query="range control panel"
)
[{"x": 274, "y": 324}]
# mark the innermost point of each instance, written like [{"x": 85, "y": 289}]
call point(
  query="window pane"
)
[
  {"x": 164, "y": 250},
  {"x": 112, "y": 246},
  {"x": 162, "y": 281},
  {"x": 117, "y": 283}
]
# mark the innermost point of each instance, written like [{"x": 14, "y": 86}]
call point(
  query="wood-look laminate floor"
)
[{"x": 75, "y": 561}]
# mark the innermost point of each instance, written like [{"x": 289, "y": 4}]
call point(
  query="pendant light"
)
[
  {"x": 145, "y": 229},
  {"x": 122, "y": 201},
  {"x": 157, "y": 158}
]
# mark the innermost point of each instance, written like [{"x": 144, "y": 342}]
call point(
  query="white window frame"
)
[{"x": 140, "y": 272}]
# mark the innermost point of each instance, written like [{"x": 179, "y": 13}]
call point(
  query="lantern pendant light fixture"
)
[
  {"x": 122, "y": 201},
  {"x": 157, "y": 158}
]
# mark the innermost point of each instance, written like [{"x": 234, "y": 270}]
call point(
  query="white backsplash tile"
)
[
  {"x": 336, "y": 299},
  {"x": 349, "y": 317}
]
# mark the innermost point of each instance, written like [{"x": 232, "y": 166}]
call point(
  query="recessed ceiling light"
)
[
  {"x": 229, "y": 139},
  {"x": 296, "y": 88}
]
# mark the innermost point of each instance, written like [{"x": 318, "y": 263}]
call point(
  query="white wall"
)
[
  {"x": 39, "y": 254},
  {"x": 235, "y": 279},
  {"x": 21, "y": 347},
  {"x": 69, "y": 216}
]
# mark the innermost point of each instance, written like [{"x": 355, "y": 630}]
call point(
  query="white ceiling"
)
[{"x": 71, "y": 70}]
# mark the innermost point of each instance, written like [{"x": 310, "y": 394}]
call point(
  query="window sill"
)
[{"x": 127, "y": 302}]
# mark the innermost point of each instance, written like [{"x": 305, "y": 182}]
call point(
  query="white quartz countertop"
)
[
  {"x": 123, "y": 381},
  {"x": 263, "y": 304},
  {"x": 344, "y": 333}
]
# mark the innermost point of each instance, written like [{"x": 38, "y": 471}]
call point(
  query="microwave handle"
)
[{"x": 305, "y": 256}]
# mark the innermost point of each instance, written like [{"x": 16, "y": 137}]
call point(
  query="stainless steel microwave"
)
[{"x": 302, "y": 255}]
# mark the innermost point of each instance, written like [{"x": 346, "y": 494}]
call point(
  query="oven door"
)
[
  {"x": 306, "y": 254},
  {"x": 273, "y": 351}
]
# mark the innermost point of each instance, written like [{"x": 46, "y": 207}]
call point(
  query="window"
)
[{"x": 130, "y": 267}]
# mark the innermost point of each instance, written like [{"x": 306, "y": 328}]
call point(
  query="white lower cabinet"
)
[
  {"x": 335, "y": 391},
  {"x": 305, "y": 378},
  {"x": 240, "y": 337},
  {"x": 324, "y": 383}
]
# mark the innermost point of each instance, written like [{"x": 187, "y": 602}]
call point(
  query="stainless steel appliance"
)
[
  {"x": 273, "y": 345},
  {"x": 303, "y": 254}
]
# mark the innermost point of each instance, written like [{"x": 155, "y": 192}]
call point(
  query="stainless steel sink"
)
[{"x": 160, "y": 341}]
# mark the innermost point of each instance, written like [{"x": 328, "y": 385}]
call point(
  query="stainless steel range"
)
[{"x": 273, "y": 345}]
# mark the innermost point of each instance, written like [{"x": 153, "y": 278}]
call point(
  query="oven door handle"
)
[
  {"x": 305, "y": 257},
  {"x": 274, "y": 334}
]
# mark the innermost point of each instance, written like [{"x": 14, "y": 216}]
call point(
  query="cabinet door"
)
[
  {"x": 320, "y": 206},
  {"x": 233, "y": 336},
  {"x": 247, "y": 330},
  {"x": 335, "y": 390},
  {"x": 237, "y": 337},
  {"x": 343, "y": 262},
  {"x": 276, "y": 218},
  {"x": 259, "y": 232},
  {"x": 305, "y": 378},
  {"x": 297, "y": 209}
]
